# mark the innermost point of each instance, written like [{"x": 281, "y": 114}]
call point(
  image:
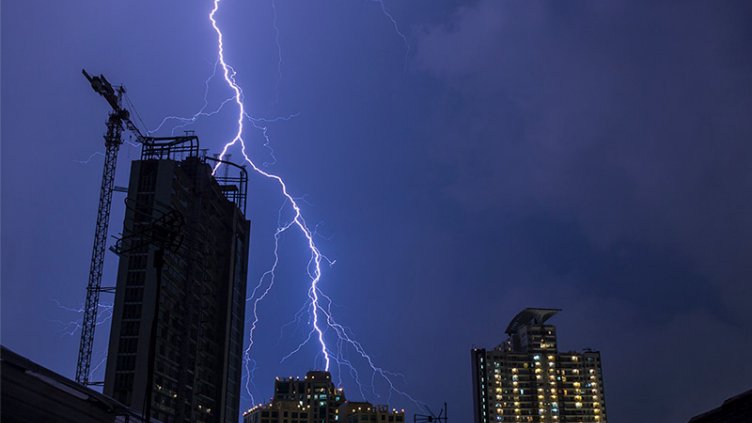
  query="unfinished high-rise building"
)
[
  {"x": 527, "y": 379},
  {"x": 185, "y": 366}
]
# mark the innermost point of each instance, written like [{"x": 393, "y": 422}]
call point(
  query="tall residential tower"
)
[
  {"x": 527, "y": 379},
  {"x": 189, "y": 364}
]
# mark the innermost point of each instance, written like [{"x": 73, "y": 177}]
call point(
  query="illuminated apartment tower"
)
[
  {"x": 315, "y": 399},
  {"x": 196, "y": 355},
  {"x": 312, "y": 399},
  {"x": 526, "y": 378},
  {"x": 365, "y": 412}
]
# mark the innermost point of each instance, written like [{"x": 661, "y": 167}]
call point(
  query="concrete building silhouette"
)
[
  {"x": 737, "y": 409},
  {"x": 188, "y": 366},
  {"x": 315, "y": 399},
  {"x": 30, "y": 392},
  {"x": 526, "y": 378}
]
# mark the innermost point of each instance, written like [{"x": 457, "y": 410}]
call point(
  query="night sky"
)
[{"x": 585, "y": 155}]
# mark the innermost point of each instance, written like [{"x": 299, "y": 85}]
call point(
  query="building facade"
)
[
  {"x": 195, "y": 355},
  {"x": 527, "y": 379},
  {"x": 315, "y": 399}
]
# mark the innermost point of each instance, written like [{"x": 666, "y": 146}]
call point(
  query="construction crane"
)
[{"x": 118, "y": 120}]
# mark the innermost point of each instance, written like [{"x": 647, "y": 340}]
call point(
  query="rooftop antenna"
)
[{"x": 432, "y": 417}]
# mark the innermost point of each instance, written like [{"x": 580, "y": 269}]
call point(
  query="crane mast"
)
[{"x": 117, "y": 120}]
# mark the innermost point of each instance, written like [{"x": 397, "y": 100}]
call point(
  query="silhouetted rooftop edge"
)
[{"x": 530, "y": 315}]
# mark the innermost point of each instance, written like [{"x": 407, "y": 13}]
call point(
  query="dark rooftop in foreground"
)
[
  {"x": 32, "y": 393},
  {"x": 737, "y": 409}
]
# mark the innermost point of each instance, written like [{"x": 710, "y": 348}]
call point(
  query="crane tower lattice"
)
[{"x": 118, "y": 120}]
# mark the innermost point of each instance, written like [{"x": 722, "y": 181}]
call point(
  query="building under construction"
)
[{"x": 183, "y": 259}]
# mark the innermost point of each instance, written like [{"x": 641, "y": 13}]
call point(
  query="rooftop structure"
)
[{"x": 530, "y": 316}]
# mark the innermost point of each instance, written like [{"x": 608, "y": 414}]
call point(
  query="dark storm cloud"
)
[
  {"x": 632, "y": 122},
  {"x": 611, "y": 143}
]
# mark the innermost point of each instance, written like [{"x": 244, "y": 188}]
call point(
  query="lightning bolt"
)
[
  {"x": 318, "y": 305},
  {"x": 90, "y": 158},
  {"x": 101, "y": 154},
  {"x": 201, "y": 112},
  {"x": 262, "y": 125},
  {"x": 72, "y": 327},
  {"x": 270, "y": 275},
  {"x": 345, "y": 338},
  {"x": 279, "y": 50},
  {"x": 259, "y": 123},
  {"x": 99, "y": 365},
  {"x": 396, "y": 27},
  {"x": 295, "y": 321},
  {"x": 298, "y": 220}
]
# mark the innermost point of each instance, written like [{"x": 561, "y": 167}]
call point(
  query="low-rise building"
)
[{"x": 315, "y": 399}]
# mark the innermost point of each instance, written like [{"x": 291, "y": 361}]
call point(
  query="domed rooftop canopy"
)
[{"x": 530, "y": 316}]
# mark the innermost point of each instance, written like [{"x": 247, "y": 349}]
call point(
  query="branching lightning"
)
[
  {"x": 296, "y": 319},
  {"x": 345, "y": 338},
  {"x": 202, "y": 111},
  {"x": 74, "y": 326},
  {"x": 261, "y": 125},
  {"x": 321, "y": 316},
  {"x": 261, "y": 286},
  {"x": 298, "y": 220},
  {"x": 318, "y": 306},
  {"x": 90, "y": 158},
  {"x": 96, "y": 154}
]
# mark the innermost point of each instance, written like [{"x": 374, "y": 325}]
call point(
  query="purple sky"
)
[{"x": 583, "y": 155}]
